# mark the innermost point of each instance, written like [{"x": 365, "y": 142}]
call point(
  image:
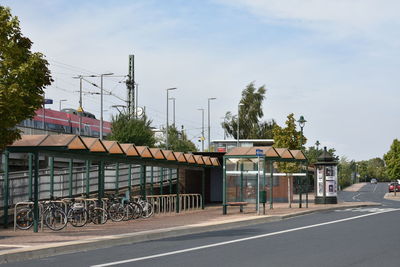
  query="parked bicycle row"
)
[{"x": 57, "y": 213}]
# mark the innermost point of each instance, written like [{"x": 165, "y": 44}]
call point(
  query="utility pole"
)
[
  {"x": 209, "y": 127},
  {"x": 130, "y": 86},
  {"x": 202, "y": 129},
  {"x": 80, "y": 110}
]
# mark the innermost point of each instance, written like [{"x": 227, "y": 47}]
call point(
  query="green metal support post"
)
[
  {"x": 271, "y": 185},
  {"x": 100, "y": 181},
  {"x": 117, "y": 178},
  {"x": 30, "y": 175},
  {"x": 307, "y": 184},
  {"x": 130, "y": 179},
  {"x": 36, "y": 195},
  {"x": 241, "y": 185},
  {"x": 224, "y": 208},
  {"x": 177, "y": 191},
  {"x": 264, "y": 182},
  {"x": 151, "y": 180},
  {"x": 87, "y": 163},
  {"x": 51, "y": 166},
  {"x": 161, "y": 181},
  {"x": 203, "y": 188},
  {"x": 170, "y": 180},
  {"x": 70, "y": 167},
  {"x": 141, "y": 180},
  {"x": 144, "y": 182},
  {"x": 6, "y": 190}
]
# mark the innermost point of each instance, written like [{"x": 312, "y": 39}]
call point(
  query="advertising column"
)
[{"x": 326, "y": 179}]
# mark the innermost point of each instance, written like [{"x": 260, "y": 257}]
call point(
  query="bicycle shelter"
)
[
  {"x": 100, "y": 152},
  {"x": 250, "y": 173}
]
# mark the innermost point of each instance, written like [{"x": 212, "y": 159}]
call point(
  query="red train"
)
[{"x": 67, "y": 121}]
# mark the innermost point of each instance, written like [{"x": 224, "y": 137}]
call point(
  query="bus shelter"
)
[
  {"x": 250, "y": 174},
  {"x": 94, "y": 151}
]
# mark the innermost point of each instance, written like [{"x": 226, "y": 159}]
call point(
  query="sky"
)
[{"x": 334, "y": 62}]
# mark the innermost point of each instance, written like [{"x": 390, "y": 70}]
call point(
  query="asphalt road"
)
[{"x": 353, "y": 237}]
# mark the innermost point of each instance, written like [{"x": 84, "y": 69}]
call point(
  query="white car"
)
[{"x": 374, "y": 181}]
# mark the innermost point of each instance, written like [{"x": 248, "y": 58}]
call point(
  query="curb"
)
[{"x": 42, "y": 251}]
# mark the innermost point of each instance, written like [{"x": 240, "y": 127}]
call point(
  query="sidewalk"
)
[{"x": 24, "y": 245}]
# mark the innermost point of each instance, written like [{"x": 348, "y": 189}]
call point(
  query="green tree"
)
[
  {"x": 250, "y": 113},
  {"x": 288, "y": 137},
  {"x": 23, "y": 76},
  {"x": 177, "y": 141},
  {"x": 392, "y": 160},
  {"x": 313, "y": 152},
  {"x": 125, "y": 129},
  {"x": 346, "y": 172}
]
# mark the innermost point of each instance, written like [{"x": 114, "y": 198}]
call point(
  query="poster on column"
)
[
  {"x": 331, "y": 188},
  {"x": 320, "y": 181}
]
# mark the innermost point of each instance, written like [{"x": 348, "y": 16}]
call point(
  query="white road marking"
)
[
  {"x": 373, "y": 210},
  {"x": 354, "y": 198},
  {"x": 375, "y": 188},
  {"x": 238, "y": 240},
  {"x": 14, "y": 246}
]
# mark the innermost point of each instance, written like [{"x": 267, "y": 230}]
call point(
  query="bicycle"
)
[
  {"x": 97, "y": 215},
  {"x": 116, "y": 211},
  {"x": 77, "y": 214},
  {"x": 54, "y": 217}
]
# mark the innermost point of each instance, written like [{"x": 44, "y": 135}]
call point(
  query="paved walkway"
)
[{"x": 21, "y": 244}]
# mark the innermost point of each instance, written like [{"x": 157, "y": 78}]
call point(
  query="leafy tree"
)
[
  {"x": 250, "y": 113},
  {"x": 23, "y": 76},
  {"x": 376, "y": 168},
  {"x": 288, "y": 137},
  {"x": 312, "y": 153},
  {"x": 345, "y": 173},
  {"x": 177, "y": 141},
  {"x": 125, "y": 129},
  {"x": 392, "y": 160}
]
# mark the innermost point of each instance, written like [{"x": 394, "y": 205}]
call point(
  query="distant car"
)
[
  {"x": 374, "y": 181},
  {"x": 392, "y": 185}
]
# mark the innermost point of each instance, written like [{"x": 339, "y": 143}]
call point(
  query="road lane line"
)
[
  {"x": 354, "y": 198},
  {"x": 15, "y": 246},
  {"x": 375, "y": 188},
  {"x": 238, "y": 240}
]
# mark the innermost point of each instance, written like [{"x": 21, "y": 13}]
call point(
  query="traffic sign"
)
[
  {"x": 48, "y": 101},
  {"x": 259, "y": 152}
]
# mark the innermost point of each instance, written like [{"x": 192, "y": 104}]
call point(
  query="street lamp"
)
[
  {"x": 302, "y": 123},
  {"x": 173, "y": 100},
  {"x": 202, "y": 128},
  {"x": 101, "y": 104},
  {"x": 166, "y": 132},
  {"x": 62, "y": 100},
  {"x": 209, "y": 131},
  {"x": 238, "y": 132}
]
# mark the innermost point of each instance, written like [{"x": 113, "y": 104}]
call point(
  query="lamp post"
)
[
  {"x": 60, "y": 101},
  {"x": 202, "y": 128},
  {"x": 173, "y": 108},
  {"x": 238, "y": 131},
  {"x": 166, "y": 131},
  {"x": 101, "y": 102},
  {"x": 302, "y": 123},
  {"x": 209, "y": 133}
]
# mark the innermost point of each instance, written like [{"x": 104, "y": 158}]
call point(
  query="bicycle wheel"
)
[
  {"x": 98, "y": 215},
  {"x": 137, "y": 210},
  {"x": 148, "y": 210},
  {"x": 55, "y": 219},
  {"x": 77, "y": 217},
  {"x": 116, "y": 212},
  {"x": 24, "y": 218},
  {"x": 128, "y": 212}
]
